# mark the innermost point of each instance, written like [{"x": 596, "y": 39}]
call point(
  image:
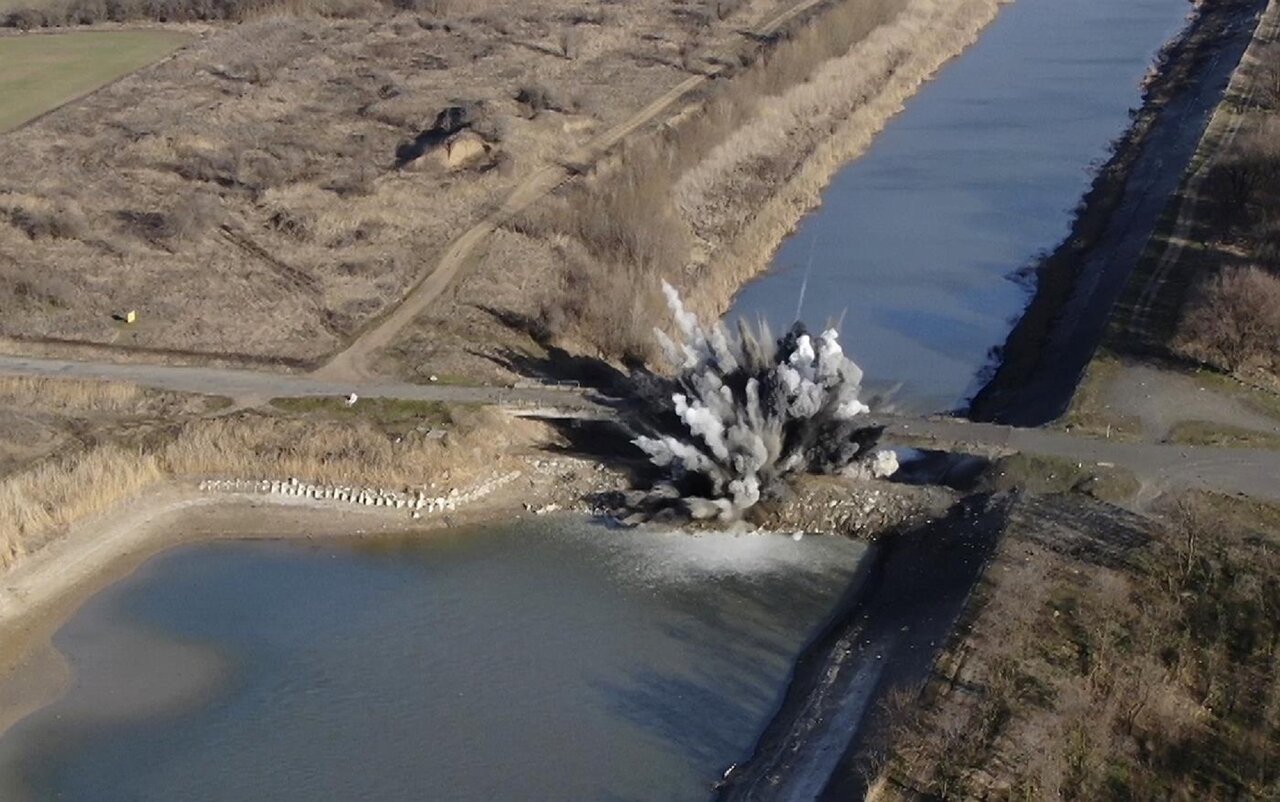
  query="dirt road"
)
[
  {"x": 356, "y": 360},
  {"x": 247, "y": 387},
  {"x": 1158, "y": 465}
]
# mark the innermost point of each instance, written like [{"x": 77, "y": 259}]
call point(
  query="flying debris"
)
[{"x": 745, "y": 412}]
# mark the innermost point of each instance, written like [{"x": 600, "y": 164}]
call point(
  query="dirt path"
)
[
  {"x": 1220, "y": 133},
  {"x": 1159, "y": 466},
  {"x": 355, "y": 362},
  {"x": 1249, "y": 471},
  {"x": 250, "y": 388},
  {"x": 1162, "y": 399}
]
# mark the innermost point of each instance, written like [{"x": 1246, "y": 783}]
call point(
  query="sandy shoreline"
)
[{"x": 43, "y": 592}]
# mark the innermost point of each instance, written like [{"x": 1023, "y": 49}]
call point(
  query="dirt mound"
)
[{"x": 450, "y": 123}]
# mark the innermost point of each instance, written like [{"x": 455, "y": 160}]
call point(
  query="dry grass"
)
[
  {"x": 86, "y": 398},
  {"x": 70, "y": 395},
  {"x": 36, "y": 503},
  {"x": 705, "y": 202},
  {"x": 1151, "y": 679},
  {"x": 306, "y": 226},
  {"x": 1228, "y": 314}
]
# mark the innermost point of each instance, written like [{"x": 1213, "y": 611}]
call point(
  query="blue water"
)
[
  {"x": 544, "y": 661},
  {"x": 916, "y": 243}
]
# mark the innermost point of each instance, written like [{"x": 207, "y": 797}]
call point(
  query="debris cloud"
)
[{"x": 745, "y": 412}]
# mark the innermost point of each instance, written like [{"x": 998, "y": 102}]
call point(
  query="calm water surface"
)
[
  {"x": 546, "y": 661},
  {"x": 915, "y": 242}
]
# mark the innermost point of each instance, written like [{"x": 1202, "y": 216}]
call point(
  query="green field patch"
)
[
  {"x": 40, "y": 72},
  {"x": 1037, "y": 473},
  {"x": 1207, "y": 433}
]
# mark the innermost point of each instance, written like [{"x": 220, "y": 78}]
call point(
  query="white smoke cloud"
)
[{"x": 755, "y": 411}]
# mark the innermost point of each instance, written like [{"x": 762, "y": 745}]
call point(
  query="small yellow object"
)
[{"x": 131, "y": 316}]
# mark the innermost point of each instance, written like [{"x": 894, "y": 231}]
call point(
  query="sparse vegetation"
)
[
  {"x": 1205, "y": 433},
  {"x": 700, "y": 204},
  {"x": 37, "y": 502},
  {"x": 1154, "y": 678},
  {"x": 1089, "y": 413},
  {"x": 1041, "y": 474},
  {"x": 1234, "y": 322},
  {"x": 392, "y": 415},
  {"x": 1230, "y": 318}
]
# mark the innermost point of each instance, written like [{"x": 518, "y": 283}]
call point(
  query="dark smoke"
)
[{"x": 746, "y": 412}]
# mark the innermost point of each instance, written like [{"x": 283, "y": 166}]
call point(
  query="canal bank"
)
[{"x": 1035, "y": 372}]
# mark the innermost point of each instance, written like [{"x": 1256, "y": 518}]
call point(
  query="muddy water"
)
[
  {"x": 916, "y": 244},
  {"x": 555, "y": 660}
]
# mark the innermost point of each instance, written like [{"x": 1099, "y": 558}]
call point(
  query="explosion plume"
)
[{"x": 745, "y": 412}]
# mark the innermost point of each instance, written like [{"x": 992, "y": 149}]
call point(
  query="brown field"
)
[
  {"x": 259, "y": 193},
  {"x": 278, "y": 185},
  {"x": 1115, "y": 672}
]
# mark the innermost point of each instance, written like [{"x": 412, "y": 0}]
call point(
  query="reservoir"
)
[{"x": 531, "y": 661}]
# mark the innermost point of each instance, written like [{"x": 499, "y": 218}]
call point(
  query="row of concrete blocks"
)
[{"x": 416, "y": 501}]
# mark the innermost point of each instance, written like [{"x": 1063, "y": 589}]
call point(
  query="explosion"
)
[{"x": 751, "y": 412}]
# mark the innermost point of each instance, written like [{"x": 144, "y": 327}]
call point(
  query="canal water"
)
[
  {"x": 917, "y": 245},
  {"x": 533, "y": 661}
]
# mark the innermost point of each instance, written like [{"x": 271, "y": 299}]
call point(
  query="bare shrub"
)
[
  {"x": 1267, "y": 77},
  {"x": 1234, "y": 322},
  {"x": 1233, "y": 184},
  {"x": 358, "y": 182},
  {"x": 40, "y": 218},
  {"x": 629, "y": 219},
  {"x": 293, "y": 223},
  {"x": 1267, "y": 237},
  {"x": 186, "y": 220},
  {"x": 27, "y": 288},
  {"x": 208, "y": 165},
  {"x": 537, "y": 98},
  {"x": 611, "y": 308}
]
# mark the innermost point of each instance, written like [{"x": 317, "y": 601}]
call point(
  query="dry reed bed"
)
[
  {"x": 71, "y": 395},
  {"x": 707, "y": 201},
  {"x": 38, "y": 503},
  {"x": 95, "y": 399}
]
